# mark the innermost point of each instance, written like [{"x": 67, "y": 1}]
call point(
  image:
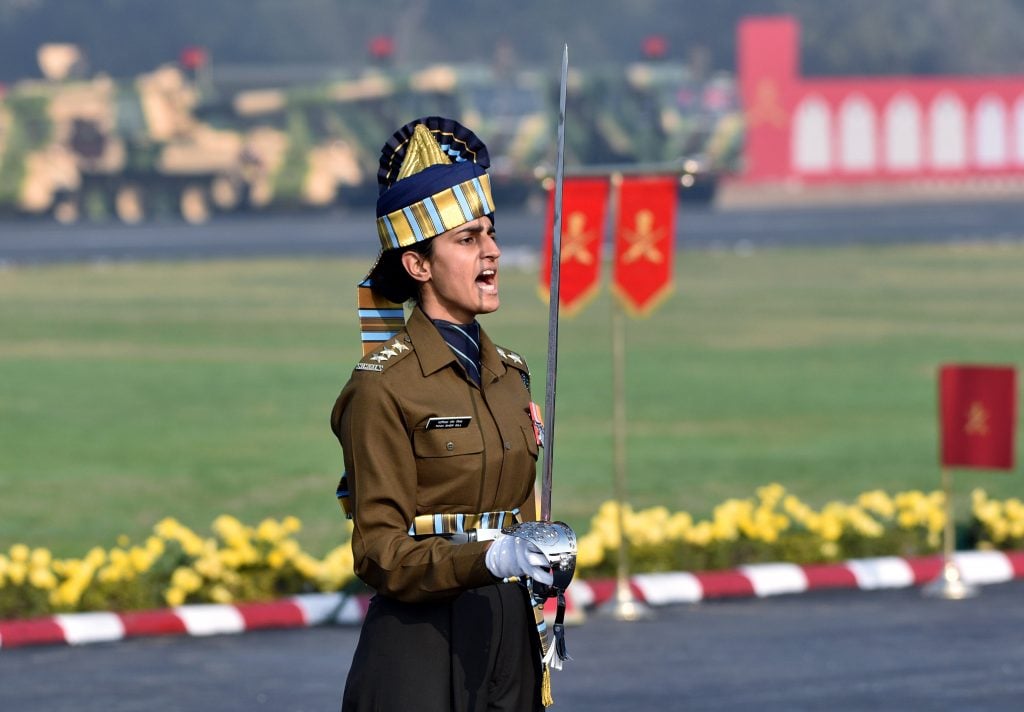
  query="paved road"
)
[
  {"x": 348, "y": 233},
  {"x": 838, "y": 650}
]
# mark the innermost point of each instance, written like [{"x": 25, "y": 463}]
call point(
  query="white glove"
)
[{"x": 509, "y": 556}]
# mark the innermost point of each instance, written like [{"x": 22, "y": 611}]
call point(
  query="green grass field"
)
[{"x": 137, "y": 391}]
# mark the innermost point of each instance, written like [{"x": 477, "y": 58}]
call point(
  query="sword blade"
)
[{"x": 553, "y": 292}]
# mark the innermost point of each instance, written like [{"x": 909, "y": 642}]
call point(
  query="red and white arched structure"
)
[{"x": 870, "y": 128}]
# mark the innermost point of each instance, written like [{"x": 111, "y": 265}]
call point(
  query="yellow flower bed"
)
[
  {"x": 774, "y": 526},
  {"x": 1000, "y": 525},
  {"x": 176, "y": 566},
  {"x": 172, "y": 567}
]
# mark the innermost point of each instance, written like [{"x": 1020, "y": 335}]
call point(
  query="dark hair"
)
[{"x": 390, "y": 279}]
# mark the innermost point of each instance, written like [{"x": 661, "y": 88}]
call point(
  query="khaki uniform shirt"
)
[{"x": 398, "y": 468}]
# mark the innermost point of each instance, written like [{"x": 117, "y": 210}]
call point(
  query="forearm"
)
[{"x": 410, "y": 570}]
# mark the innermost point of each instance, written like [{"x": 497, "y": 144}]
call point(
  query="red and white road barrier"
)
[
  {"x": 659, "y": 589},
  {"x": 761, "y": 580},
  {"x": 198, "y": 620}
]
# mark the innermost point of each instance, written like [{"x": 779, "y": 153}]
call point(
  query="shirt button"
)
[
  {"x": 450, "y": 445},
  {"x": 508, "y": 445}
]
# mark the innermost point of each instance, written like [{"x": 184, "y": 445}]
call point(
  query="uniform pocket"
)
[{"x": 447, "y": 442}]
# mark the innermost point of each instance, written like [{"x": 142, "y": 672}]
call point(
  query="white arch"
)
[
  {"x": 857, "y": 134},
  {"x": 989, "y": 130},
  {"x": 812, "y": 136},
  {"x": 902, "y": 134},
  {"x": 947, "y": 133},
  {"x": 1018, "y": 131}
]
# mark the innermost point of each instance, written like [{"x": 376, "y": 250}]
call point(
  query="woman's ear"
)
[{"x": 417, "y": 265}]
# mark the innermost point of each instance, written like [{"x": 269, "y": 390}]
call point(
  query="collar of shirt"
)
[{"x": 434, "y": 353}]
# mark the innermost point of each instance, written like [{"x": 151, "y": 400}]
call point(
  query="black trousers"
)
[{"x": 478, "y": 652}]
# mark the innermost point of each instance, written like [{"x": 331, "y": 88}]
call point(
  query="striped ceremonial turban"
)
[{"x": 432, "y": 178}]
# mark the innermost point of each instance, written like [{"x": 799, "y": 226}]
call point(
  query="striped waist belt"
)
[
  {"x": 478, "y": 527},
  {"x": 461, "y": 526}
]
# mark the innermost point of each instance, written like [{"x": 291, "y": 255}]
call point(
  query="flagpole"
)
[
  {"x": 625, "y": 606},
  {"x": 950, "y": 583}
]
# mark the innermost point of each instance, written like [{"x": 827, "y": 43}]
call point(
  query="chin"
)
[{"x": 490, "y": 305}]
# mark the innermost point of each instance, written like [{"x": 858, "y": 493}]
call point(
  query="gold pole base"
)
[
  {"x": 949, "y": 585},
  {"x": 625, "y": 606}
]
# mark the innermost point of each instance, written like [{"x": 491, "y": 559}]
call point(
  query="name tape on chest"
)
[{"x": 447, "y": 423}]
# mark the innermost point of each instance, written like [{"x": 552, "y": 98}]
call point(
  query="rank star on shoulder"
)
[{"x": 398, "y": 346}]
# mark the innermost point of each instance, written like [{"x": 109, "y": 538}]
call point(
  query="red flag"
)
[
  {"x": 644, "y": 238},
  {"x": 193, "y": 57},
  {"x": 584, "y": 201},
  {"x": 978, "y": 410}
]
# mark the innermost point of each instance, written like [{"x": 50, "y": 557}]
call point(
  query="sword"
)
[
  {"x": 556, "y": 540},
  {"x": 556, "y": 263}
]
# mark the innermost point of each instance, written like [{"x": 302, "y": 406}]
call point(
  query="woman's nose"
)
[{"x": 491, "y": 248}]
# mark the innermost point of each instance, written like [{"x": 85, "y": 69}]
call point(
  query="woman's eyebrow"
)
[{"x": 473, "y": 229}]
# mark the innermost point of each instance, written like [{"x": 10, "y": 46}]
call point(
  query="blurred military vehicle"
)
[
  {"x": 75, "y": 146},
  {"x": 651, "y": 113},
  {"x": 174, "y": 142},
  {"x": 333, "y": 128},
  {"x": 186, "y": 141}
]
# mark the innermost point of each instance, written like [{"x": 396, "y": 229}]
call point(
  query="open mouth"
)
[{"x": 487, "y": 281}]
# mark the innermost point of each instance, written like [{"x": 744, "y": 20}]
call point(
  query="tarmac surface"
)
[
  {"x": 828, "y": 650},
  {"x": 520, "y": 232}
]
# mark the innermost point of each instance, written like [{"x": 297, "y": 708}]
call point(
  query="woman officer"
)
[{"x": 440, "y": 449}]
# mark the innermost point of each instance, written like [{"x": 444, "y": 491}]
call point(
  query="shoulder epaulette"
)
[
  {"x": 513, "y": 359},
  {"x": 389, "y": 353}
]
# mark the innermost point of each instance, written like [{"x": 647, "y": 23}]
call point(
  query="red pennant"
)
[
  {"x": 978, "y": 411},
  {"x": 584, "y": 202},
  {"x": 193, "y": 57},
  {"x": 644, "y": 241}
]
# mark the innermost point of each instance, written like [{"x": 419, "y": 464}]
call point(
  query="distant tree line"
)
[{"x": 124, "y": 37}]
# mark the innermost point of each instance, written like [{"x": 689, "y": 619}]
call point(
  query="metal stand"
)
[
  {"x": 625, "y": 606},
  {"x": 950, "y": 584}
]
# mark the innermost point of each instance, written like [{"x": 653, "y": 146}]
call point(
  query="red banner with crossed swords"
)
[
  {"x": 584, "y": 203},
  {"x": 644, "y": 240}
]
